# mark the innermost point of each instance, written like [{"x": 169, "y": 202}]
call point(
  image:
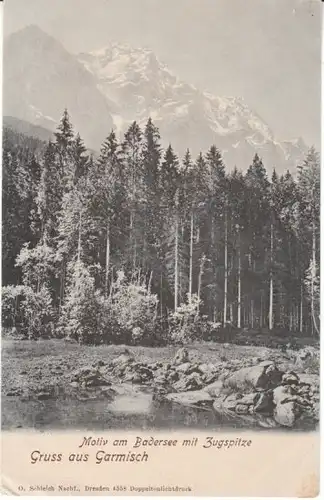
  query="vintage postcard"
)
[{"x": 161, "y": 248}]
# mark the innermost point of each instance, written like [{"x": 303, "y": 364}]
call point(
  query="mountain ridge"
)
[{"x": 113, "y": 86}]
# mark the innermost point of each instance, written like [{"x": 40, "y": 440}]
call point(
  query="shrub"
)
[
  {"x": 185, "y": 325},
  {"x": 132, "y": 308},
  {"x": 10, "y": 297},
  {"x": 31, "y": 311},
  {"x": 81, "y": 316}
]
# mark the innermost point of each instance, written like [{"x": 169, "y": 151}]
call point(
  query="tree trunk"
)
[
  {"x": 176, "y": 255},
  {"x": 191, "y": 255},
  {"x": 231, "y": 313},
  {"x": 225, "y": 271},
  {"x": 301, "y": 309},
  {"x": 313, "y": 276},
  {"x": 107, "y": 257},
  {"x": 201, "y": 270},
  {"x": 133, "y": 238},
  {"x": 271, "y": 280},
  {"x": 261, "y": 310},
  {"x": 239, "y": 285},
  {"x": 79, "y": 238},
  {"x": 161, "y": 295},
  {"x": 62, "y": 283},
  {"x": 291, "y": 318}
]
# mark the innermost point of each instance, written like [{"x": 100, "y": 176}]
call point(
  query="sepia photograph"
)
[{"x": 161, "y": 216}]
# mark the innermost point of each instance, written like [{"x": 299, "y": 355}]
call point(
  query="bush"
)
[
  {"x": 185, "y": 325},
  {"x": 81, "y": 316},
  {"x": 126, "y": 316},
  {"x": 131, "y": 310},
  {"x": 10, "y": 297},
  {"x": 31, "y": 311}
]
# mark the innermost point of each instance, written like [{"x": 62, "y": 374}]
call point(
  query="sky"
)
[{"x": 266, "y": 51}]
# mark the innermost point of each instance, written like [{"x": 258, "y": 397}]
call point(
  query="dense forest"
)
[{"x": 138, "y": 245}]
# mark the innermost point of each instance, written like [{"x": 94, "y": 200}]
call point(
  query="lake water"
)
[{"x": 129, "y": 409}]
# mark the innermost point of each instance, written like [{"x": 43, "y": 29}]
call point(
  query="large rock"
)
[
  {"x": 290, "y": 378},
  {"x": 123, "y": 359},
  {"x": 264, "y": 402},
  {"x": 286, "y": 414},
  {"x": 307, "y": 378},
  {"x": 88, "y": 377},
  {"x": 14, "y": 392},
  {"x": 283, "y": 394},
  {"x": 181, "y": 356},
  {"x": 215, "y": 389},
  {"x": 242, "y": 409},
  {"x": 189, "y": 383},
  {"x": 184, "y": 367},
  {"x": 258, "y": 377},
  {"x": 230, "y": 402},
  {"x": 207, "y": 368},
  {"x": 305, "y": 353},
  {"x": 316, "y": 411},
  {"x": 249, "y": 399},
  {"x": 190, "y": 398}
]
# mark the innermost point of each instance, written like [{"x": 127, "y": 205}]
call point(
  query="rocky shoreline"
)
[
  {"x": 256, "y": 391},
  {"x": 259, "y": 391}
]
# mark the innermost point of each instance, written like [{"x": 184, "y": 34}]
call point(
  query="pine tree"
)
[
  {"x": 133, "y": 161},
  {"x": 309, "y": 212},
  {"x": 108, "y": 203},
  {"x": 64, "y": 140},
  {"x": 151, "y": 211}
]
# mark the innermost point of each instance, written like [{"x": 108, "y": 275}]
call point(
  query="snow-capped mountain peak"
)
[
  {"x": 138, "y": 85},
  {"x": 117, "y": 84}
]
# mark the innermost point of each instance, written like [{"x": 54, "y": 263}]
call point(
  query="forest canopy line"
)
[{"x": 141, "y": 246}]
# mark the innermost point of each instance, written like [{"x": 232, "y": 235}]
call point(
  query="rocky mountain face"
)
[
  {"x": 118, "y": 84},
  {"x": 41, "y": 79}
]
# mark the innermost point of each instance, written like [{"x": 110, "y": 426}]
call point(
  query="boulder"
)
[
  {"x": 307, "y": 378},
  {"x": 286, "y": 414},
  {"x": 173, "y": 376},
  {"x": 189, "y": 383},
  {"x": 184, "y": 367},
  {"x": 304, "y": 354},
  {"x": 290, "y": 378},
  {"x": 253, "y": 376},
  {"x": 242, "y": 409},
  {"x": 14, "y": 392},
  {"x": 123, "y": 359},
  {"x": 266, "y": 363},
  {"x": 95, "y": 381},
  {"x": 304, "y": 389},
  {"x": 282, "y": 394},
  {"x": 181, "y": 356},
  {"x": 99, "y": 363},
  {"x": 88, "y": 377},
  {"x": 231, "y": 401},
  {"x": 83, "y": 372},
  {"x": 263, "y": 376},
  {"x": 316, "y": 411},
  {"x": 145, "y": 372},
  {"x": 264, "y": 402},
  {"x": 274, "y": 375},
  {"x": 215, "y": 389},
  {"x": 200, "y": 398},
  {"x": 42, "y": 396},
  {"x": 207, "y": 368},
  {"x": 210, "y": 378},
  {"x": 249, "y": 399}
]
